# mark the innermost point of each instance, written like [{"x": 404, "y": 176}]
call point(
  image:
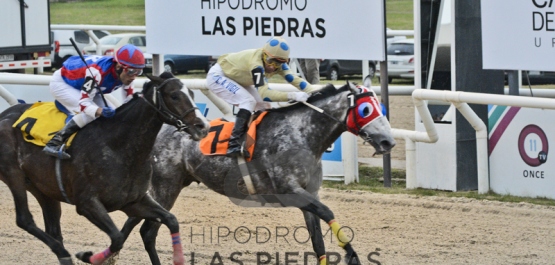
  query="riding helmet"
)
[
  {"x": 131, "y": 56},
  {"x": 277, "y": 48}
]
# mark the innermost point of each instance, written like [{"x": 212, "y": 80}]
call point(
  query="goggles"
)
[
  {"x": 275, "y": 62},
  {"x": 133, "y": 71}
]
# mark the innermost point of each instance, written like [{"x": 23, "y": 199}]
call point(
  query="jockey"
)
[
  {"x": 76, "y": 87},
  {"x": 241, "y": 79}
]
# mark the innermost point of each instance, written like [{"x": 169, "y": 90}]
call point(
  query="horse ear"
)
[
  {"x": 166, "y": 75},
  {"x": 352, "y": 86},
  {"x": 148, "y": 76}
]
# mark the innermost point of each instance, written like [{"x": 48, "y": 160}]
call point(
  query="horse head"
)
[
  {"x": 365, "y": 118},
  {"x": 175, "y": 105}
]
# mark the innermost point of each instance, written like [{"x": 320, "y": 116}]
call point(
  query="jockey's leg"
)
[
  {"x": 234, "y": 93},
  {"x": 54, "y": 146},
  {"x": 236, "y": 141}
]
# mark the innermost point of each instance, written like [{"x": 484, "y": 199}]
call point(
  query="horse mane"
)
[
  {"x": 146, "y": 89},
  {"x": 325, "y": 92}
]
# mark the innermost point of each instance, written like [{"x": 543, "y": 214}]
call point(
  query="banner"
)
[
  {"x": 518, "y": 34},
  {"x": 519, "y": 143},
  {"x": 351, "y": 29}
]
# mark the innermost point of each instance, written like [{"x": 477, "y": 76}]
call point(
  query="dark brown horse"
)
[
  {"x": 286, "y": 169},
  {"x": 110, "y": 167}
]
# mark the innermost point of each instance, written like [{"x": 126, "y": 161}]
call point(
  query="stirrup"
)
[
  {"x": 60, "y": 154},
  {"x": 241, "y": 151}
]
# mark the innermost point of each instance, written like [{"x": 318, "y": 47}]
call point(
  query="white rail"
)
[
  {"x": 420, "y": 98},
  {"x": 460, "y": 100}
]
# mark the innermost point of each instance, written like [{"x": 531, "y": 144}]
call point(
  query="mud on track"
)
[{"x": 402, "y": 229}]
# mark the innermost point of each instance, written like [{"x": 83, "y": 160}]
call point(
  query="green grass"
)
[
  {"x": 370, "y": 179},
  {"x": 99, "y": 12},
  {"x": 399, "y": 14}
]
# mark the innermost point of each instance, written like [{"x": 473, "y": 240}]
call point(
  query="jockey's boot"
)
[
  {"x": 235, "y": 146},
  {"x": 54, "y": 146}
]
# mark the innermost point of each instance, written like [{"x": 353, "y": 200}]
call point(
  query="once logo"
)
[{"x": 533, "y": 145}]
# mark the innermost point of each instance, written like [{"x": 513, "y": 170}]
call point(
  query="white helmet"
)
[{"x": 277, "y": 48}]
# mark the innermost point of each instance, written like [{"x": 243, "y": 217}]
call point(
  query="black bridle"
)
[{"x": 163, "y": 110}]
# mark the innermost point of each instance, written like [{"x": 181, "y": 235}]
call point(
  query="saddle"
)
[
  {"x": 41, "y": 121},
  {"x": 217, "y": 140}
]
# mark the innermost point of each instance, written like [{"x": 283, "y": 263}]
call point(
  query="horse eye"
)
[
  {"x": 174, "y": 97},
  {"x": 365, "y": 109}
]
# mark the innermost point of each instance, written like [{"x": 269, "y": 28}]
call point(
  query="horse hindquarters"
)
[{"x": 14, "y": 177}]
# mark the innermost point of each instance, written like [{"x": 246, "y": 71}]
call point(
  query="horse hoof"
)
[
  {"x": 84, "y": 256},
  {"x": 66, "y": 261}
]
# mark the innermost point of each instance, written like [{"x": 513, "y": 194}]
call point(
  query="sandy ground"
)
[
  {"x": 389, "y": 229},
  {"x": 386, "y": 229}
]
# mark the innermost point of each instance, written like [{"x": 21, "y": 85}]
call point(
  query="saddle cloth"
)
[
  {"x": 40, "y": 122},
  {"x": 217, "y": 140}
]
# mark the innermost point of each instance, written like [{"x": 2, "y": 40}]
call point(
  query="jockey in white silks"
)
[{"x": 241, "y": 79}]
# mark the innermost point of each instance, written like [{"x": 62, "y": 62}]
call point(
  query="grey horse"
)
[{"x": 286, "y": 167}]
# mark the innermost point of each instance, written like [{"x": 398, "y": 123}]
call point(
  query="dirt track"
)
[
  {"x": 402, "y": 229},
  {"x": 391, "y": 229}
]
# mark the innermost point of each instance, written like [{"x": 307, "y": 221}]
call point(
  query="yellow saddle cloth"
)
[
  {"x": 40, "y": 122},
  {"x": 217, "y": 140}
]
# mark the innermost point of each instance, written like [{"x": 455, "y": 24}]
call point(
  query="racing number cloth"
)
[
  {"x": 217, "y": 140},
  {"x": 40, "y": 122}
]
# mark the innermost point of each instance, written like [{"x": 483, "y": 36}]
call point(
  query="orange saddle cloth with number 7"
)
[{"x": 217, "y": 140}]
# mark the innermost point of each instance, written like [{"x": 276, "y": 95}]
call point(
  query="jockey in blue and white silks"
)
[
  {"x": 241, "y": 79},
  {"x": 77, "y": 87}
]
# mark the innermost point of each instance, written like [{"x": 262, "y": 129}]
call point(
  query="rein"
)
[
  {"x": 350, "y": 123},
  {"x": 163, "y": 110},
  {"x": 352, "y": 104}
]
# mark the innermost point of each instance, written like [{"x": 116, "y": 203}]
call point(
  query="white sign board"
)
[
  {"x": 518, "y": 35},
  {"x": 519, "y": 142},
  {"x": 351, "y": 29}
]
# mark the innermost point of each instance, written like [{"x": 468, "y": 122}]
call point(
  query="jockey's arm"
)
[
  {"x": 295, "y": 80},
  {"x": 268, "y": 94},
  {"x": 93, "y": 79},
  {"x": 128, "y": 92},
  {"x": 87, "y": 105}
]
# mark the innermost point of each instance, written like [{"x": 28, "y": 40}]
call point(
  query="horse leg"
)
[
  {"x": 308, "y": 202},
  {"x": 313, "y": 225},
  {"x": 51, "y": 213},
  {"x": 147, "y": 208},
  {"x": 24, "y": 219},
  {"x": 149, "y": 232},
  {"x": 97, "y": 214},
  {"x": 129, "y": 225}
]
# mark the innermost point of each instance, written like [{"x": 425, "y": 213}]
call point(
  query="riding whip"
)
[{"x": 87, "y": 65}]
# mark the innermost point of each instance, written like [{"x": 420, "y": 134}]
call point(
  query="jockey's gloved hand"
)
[
  {"x": 297, "y": 96},
  {"x": 108, "y": 112}
]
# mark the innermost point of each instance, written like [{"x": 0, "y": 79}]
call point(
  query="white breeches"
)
[{"x": 232, "y": 92}]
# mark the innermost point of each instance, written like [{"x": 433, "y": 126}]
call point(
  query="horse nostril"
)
[{"x": 387, "y": 144}]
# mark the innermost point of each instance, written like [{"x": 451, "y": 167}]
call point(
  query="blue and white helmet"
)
[{"x": 277, "y": 48}]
